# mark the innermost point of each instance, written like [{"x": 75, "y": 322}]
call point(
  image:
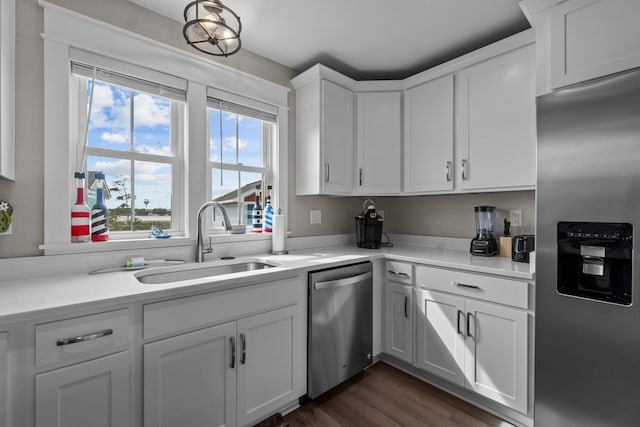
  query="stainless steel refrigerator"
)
[{"x": 587, "y": 323}]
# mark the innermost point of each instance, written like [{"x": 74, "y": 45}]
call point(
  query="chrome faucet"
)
[{"x": 200, "y": 250}]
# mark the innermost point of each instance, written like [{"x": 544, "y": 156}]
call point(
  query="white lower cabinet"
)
[
  {"x": 475, "y": 344},
  {"x": 231, "y": 374},
  {"x": 440, "y": 340},
  {"x": 399, "y": 321},
  {"x": 190, "y": 380},
  {"x": 94, "y": 393}
]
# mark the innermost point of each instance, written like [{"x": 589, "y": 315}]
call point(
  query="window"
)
[
  {"x": 134, "y": 139},
  {"x": 141, "y": 66},
  {"x": 240, "y": 147}
]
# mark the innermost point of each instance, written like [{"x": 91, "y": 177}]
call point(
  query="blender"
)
[{"x": 484, "y": 244}]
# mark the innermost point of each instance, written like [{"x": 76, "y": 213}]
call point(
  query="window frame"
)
[
  {"x": 268, "y": 141},
  {"x": 66, "y": 30},
  {"x": 176, "y": 160}
]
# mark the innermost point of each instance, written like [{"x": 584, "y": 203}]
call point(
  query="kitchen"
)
[{"x": 444, "y": 215}]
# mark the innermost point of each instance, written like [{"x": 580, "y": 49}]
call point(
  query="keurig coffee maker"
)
[
  {"x": 369, "y": 226},
  {"x": 484, "y": 243}
]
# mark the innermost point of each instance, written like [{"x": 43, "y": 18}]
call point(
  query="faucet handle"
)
[{"x": 209, "y": 248}]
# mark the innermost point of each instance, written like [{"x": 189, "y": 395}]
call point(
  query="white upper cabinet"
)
[
  {"x": 379, "y": 139},
  {"x": 428, "y": 136},
  {"x": 593, "y": 38},
  {"x": 325, "y": 135},
  {"x": 579, "y": 40},
  {"x": 495, "y": 123}
]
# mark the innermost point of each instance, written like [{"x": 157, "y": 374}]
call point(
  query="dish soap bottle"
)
[
  {"x": 256, "y": 219},
  {"x": 268, "y": 212},
  {"x": 99, "y": 213},
  {"x": 80, "y": 222}
]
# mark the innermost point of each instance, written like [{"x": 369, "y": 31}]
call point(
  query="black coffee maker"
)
[{"x": 369, "y": 226}]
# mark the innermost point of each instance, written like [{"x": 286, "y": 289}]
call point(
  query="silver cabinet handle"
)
[
  {"x": 464, "y": 169},
  {"x": 464, "y": 285},
  {"x": 232, "y": 341},
  {"x": 406, "y": 303},
  {"x": 399, "y": 274},
  {"x": 326, "y": 172},
  {"x": 448, "y": 169},
  {"x": 243, "y": 342},
  {"x": 458, "y": 321},
  {"x": 468, "y": 327},
  {"x": 83, "y": 338},
  {"x": 342, "y": 282}
]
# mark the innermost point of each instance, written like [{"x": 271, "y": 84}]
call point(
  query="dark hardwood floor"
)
[{"x": 385, "y": 396}]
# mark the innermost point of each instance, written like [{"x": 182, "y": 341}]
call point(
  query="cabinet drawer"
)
[
  {"x": 182, "y": 314},
  {"x": 494, "y": 289},
  {"x": 81, "y": 338},
  {"x": 400, "y": 272}
]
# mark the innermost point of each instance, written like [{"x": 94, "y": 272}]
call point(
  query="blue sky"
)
[{"x": 110, "y": 128}]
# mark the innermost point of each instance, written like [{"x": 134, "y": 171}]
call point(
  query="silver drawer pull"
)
[
  {"x": 396, "y": 273},
  {"x": 463, "y": 285},
  {"x": 83, "y": 338}
]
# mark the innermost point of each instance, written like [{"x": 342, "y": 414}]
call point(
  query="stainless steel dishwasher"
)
[{"x": 340, "y": 325}]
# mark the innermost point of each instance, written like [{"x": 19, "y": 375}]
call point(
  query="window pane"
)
[
  {"x": 152, "y": 195},
  {"x": 117, "y": 195},
  {"x": 249, "y": 180},
  {"x": 249, "y": 141},
  {"x": 110, "y": 112},
  {"x": 149, "y": 194},
  {"x": 152, "y": 124},
  {"x": 214, "y": 135},
  {"x": 225, "y": 192},
  {"x": 229, "y": 121}
]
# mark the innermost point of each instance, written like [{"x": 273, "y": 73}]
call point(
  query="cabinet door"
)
[
  {"x": 399, "y": 321},
  {"x": 337, "y": 139},
  {"x": 94, "y": 393},
  {"x": 379, "y": 132},
  {"x": 4, "y": 377},
  {"x": 441, "y": 335},
  {"x": 428, "y": 136},
  {"x": 496, "y": 360},
  {"x": 593, "y": 38},
  {"x": 495, "y": 130},
  {"x": 268, "y": 368},
  {"x": 190, "y": 379}
]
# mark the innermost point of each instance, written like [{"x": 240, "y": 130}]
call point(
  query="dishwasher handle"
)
[{"x": 347, "y": 281}]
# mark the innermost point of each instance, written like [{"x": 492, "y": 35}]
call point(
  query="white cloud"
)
[
  {"x": 114, "y": 168},
  {"x": 230, "y": 144},
  {"x": 150, "y": 149},
  {"x": 151, "y": 111},
  {"x": 118, "y": 137}
]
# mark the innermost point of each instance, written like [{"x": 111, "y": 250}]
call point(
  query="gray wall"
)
[{"x": 440, "y": 215}]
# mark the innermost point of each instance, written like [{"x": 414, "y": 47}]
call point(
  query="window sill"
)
[
  {"x": 146, "y": 243},
  {"x": 114, "y": 245}
]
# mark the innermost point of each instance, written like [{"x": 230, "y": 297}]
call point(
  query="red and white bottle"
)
[{"x": 80, "y": 218}]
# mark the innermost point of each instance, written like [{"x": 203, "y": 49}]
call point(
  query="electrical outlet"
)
[
  {"x": 315, "y": 217},
  {"x": 515, "y": 218}
]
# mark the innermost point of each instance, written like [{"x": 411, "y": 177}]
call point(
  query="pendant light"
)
[{"x": 212, "y": 27}]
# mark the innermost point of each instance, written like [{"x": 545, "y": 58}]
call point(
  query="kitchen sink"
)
[{"x": 177, "y": 275}]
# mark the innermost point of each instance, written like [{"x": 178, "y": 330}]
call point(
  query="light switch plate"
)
[
  {"x": 315, "y": 217},
  {"x": 515, "y": 218}
]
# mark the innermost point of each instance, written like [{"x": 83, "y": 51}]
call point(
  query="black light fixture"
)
[{"x": 212, "y": 27}]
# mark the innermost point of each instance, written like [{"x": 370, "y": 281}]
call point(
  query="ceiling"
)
[{"x": 365, "y": 39}]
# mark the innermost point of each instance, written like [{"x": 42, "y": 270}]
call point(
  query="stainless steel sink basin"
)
[{"x": 173, "y": 275}]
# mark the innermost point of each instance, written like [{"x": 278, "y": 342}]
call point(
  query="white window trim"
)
[{"x": 64, "y": 30}]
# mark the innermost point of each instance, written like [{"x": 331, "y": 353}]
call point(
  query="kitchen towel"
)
[{"x": 279, "y": 235}]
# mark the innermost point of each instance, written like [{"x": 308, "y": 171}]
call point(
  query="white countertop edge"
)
[{"x": 35, "y": 298}]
